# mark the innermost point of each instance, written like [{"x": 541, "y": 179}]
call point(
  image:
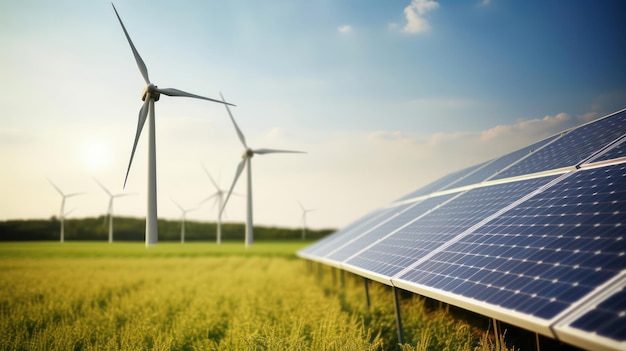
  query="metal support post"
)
[
  {"x": 367, "y": 292},
  {"x": 396, "y": 301}
]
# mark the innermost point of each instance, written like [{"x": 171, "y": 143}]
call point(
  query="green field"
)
[{"x": 201, "y": 296}]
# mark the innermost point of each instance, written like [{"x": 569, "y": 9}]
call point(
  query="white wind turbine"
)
[
  {"x": 304, "y": 212},
  {"x": 151, "y": 94},
  {"x": 182, "y": 220},
  {"x": 247, "y": 161},
  {"x": 219, "y": 198},
  {"x": 110, "y": 207},
  {"x": 62, "y": 212}
]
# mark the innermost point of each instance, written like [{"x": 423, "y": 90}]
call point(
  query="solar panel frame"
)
[
  {"x": 565, "y": 329},
  {"x": 615, "y": 151}
]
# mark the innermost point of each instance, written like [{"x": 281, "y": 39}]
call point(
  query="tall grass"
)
[{"x": 199, "y": 296}]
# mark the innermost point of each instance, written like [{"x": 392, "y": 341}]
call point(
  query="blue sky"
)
[{"x": 385, "y": 96}]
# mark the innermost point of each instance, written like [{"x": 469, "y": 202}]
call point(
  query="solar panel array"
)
[{"x": 535, "y": 238}]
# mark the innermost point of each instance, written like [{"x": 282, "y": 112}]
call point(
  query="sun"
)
[{"x": 96, "y": 156}]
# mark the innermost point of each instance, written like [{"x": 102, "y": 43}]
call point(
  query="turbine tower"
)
[
  {"x": 110, "y": 207},
  {"x": 247, "y": 162},
  {"x": 62, "y": 212},
  {"x": 219, "y": 198},
  {"x": 304, "y": 212},
  {"x": 182, "y": 220},
  {"x": 151, "y": 93}
]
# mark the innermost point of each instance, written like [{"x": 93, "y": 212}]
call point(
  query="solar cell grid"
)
[
  {"x": 608, "y": 318},
  {"x": 414, "y": 241},
  {"x": 617, "y": 151},
  {"x": 572, "y": 148},
  {"x": 494, "y": 167},
  {"x": 324, "y": 246},
  {"x": 406, "y": 214},
  {"x": 543, "y": 254}
]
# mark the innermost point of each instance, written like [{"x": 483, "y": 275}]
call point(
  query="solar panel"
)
[
  {"x": 545, "y": 253},
  {"x": 572, "y": 147},
  {"x": 405, "y": 214},
  {"x": 493, "y": 168},
  {"x": 540, "y": 244},
  {"x": 415, "y": 240},
  {"x": 616, "y": 151},
  {"x": 440, "y": 183},
  {"x": 322, "y": 247},
  {"x": 601, "y": 324}
]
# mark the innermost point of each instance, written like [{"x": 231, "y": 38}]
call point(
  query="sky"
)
[{"x": 384, "y": 96}]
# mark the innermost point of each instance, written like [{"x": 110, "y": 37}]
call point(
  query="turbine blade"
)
[
  {"x": 212, "y": 180},
  {"x": 73, "y": 194},
  {"x": 143, "y": 114},
  {"x": 274, "y": 151},
  {"x": 176, "y": 92},
  {"x": 56, "y": 187},
  {"x": 242, "y": 138},
  {"x": 207, "y": 199},
  {"x": 240, "y": 167},
  {"x": 102, "y": 186},
  {"x": 140, "y": 63},
  {"x": 177, "y": 205},
  {"x": 122, "y": 195}
]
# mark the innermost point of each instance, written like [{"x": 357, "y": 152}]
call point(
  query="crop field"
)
[{"x": 201, "y": 296}]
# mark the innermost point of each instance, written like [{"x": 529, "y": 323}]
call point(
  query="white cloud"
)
[
  {"x": 345, "y": 29},
  {"x": 416, "y": 23}
]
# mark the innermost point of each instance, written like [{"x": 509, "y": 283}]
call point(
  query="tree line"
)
[{"x": 133, "y": 229}]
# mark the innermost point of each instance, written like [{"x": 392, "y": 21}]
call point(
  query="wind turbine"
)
[
  {"x": 62, "y": 212},
  {"x": 304, "y": 212},
  {"x": 247, "y": 161},
  {"x": 151, "y": 93},
  {"x": 182, "y": 220},
  {"x": 219, "y": 198},
  {"x": 110, "y": 207}
]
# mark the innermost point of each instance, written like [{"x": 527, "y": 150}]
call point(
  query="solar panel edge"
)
[
  {"x": 519, "y": 319},
  {"x": 564, "y": 330},
  {"x": 383, "y": 279}
]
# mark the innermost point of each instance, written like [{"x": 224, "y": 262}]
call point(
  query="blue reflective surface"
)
[
  {"x": 545, "y": 253},
  {"x": 410, "y": 243},
  {"x": 607, "y": 318},
  {"x": 572, "y": 148}
]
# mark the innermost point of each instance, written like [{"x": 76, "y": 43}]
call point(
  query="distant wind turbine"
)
[
  {"x": 110, "y": 207},
  {"x": 62, "y": 212},
  {"x": 219, "y": 198},
  {"x": 151, "y": 94},
  {"x": 304, "y": 212},
  {"x": 182, "y": 220},
  {"x": 246, "y": 161}
]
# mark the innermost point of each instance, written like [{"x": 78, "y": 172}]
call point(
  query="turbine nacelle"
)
[
  {"x": 248, "y": 153},
  {"x": 151, "y": 91}
]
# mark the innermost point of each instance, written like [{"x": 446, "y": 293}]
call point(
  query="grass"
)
[
  {"x": 200, "y": 296},
  {"x": 48, "y": 249}
]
